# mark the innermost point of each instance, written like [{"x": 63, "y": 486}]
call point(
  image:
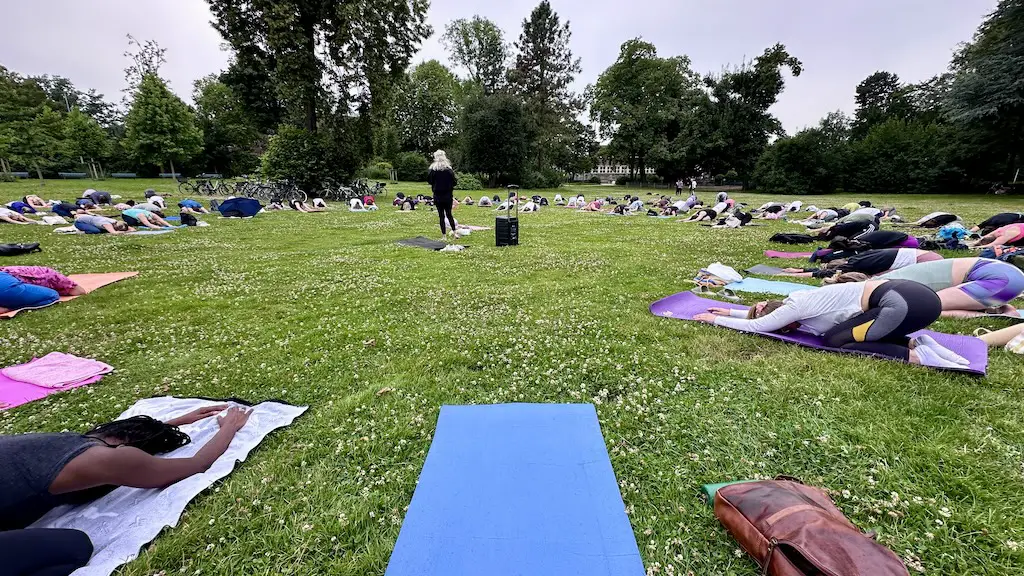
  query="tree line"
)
[{"x": 318, "y": 91}]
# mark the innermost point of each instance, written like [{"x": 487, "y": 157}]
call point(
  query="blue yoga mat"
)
[
  {"x": 512, "y": 489},
  {"x": 768, "y": 286}
]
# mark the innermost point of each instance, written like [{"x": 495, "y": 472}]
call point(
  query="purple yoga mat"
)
[
  {"x": 14, "y": 393},
  {"x": 686, "y": 305},
  {"x": 777, "y": 254}
]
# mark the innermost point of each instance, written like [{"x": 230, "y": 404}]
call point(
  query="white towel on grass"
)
[{"x": 122, "y": 522}]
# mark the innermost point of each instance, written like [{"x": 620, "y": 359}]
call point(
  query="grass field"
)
[{"x": 325, "y": 310}]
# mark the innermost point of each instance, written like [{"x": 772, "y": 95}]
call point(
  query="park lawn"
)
[{"x": 325, "y": 310}]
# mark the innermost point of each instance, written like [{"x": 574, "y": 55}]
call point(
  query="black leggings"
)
[
  {"x": 895, "y": 309},
  {"x": 444, "y": 210},
  {"x": 43, "y": 552}
]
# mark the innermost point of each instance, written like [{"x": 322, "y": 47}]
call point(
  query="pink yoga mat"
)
[
  {"x": 89, "y": 282},
  {"x": 777, "y": 254},
  {"x": 14, "y": 393},
  {"x": 686, "y": 305}
]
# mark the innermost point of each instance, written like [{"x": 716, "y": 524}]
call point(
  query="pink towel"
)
[
  {"x": 14, "y": 393},
  {"x": 57, "y": 370}
]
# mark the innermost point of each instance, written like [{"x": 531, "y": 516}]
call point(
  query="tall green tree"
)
[
  {"x": 427, "y": 107},
  {"x": 85, "y": 139},
  {"x": 733, "y": 122},
  {"x": 229, "y": 134},
  {"x": 814, "y": 161},
  {"x": 39, "y": 142},
  {"x": 250, "y": 79},
  {"x": 65, "y": 96},
  {"x": 986, "y": 96},
  {"x": 879, "y": 97},
  {"x": 544, "y": 69},
  {"x": 478, "y": 46},
  {"x": 160, "y": 127},
  {"x": 320, "y": 48},
  {"x": 493, "y": 137},
  {"x": 638, "y": 100}
]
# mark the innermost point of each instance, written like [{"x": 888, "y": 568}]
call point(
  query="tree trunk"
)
[
  {"x": 40, "y": 174},
  {"x": 99, "y": 166},
  {"x": 643, "y": 171},
  {"x": 310, "y": 104},
  {"x": 172, "y": 168}
]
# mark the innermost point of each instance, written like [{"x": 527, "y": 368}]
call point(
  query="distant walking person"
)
[
  {"x": 693, "y": 185},
  {"x": 442, "y": 182},
  {"x": 679, "y": 186}
]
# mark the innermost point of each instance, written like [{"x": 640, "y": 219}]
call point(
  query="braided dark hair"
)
[{"x": 147, "y": 434}]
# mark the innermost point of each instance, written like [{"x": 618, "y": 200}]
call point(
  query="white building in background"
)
[{"x": 608, "y": 171}]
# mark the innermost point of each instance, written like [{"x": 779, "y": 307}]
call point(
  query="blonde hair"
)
[
  {"x": 440, "y": 162},
  {"x": 846, "y": 277}
]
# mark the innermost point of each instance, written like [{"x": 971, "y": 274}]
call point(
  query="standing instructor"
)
[{"x": 442, "y": 182}]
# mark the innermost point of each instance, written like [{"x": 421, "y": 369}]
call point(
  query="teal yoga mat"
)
[{"x": 762, "y": 286}]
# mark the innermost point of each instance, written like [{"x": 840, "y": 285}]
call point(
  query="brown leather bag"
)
[{"x": 795, "y": 530}]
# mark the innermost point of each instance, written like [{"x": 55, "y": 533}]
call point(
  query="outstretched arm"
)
[{"x": 127, "y": 466}]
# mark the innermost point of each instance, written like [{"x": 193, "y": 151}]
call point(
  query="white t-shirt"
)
[
  {"x": 720, "y": 207},
  {"x": 572, "y": 202},
  {"x": 905, "y": 257},
  {"x": 635, "y": 205},
  {"x": 530, "y": 206},
  {"x": 795, "y": 206},
  {"x": 679, "y": 204},
  {"x": 158, "y": 200},
  {"x": 356, "y": 204},
  {"x": 817, "y": 310},
  {"x": 558, "y": 198},
  {"x": 868, "y": 210}
]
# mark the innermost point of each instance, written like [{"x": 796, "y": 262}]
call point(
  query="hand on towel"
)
[
  {"x": 198, "y": 414},
  {"x": 234, "y": 419}
]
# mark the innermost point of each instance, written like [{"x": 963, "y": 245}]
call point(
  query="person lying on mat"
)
[
  {"x": 963, "y": 284},
  {"x": 485, "y": 202},
  {"x": 192, "y": 207},
  {"x": 43, "y": 471},
  {"x": 145, "y": 206},
  {"x": 1009, "y": 235},
  {"x": 708, "y": 213},
  {"x": 845, "y": 229},
  {"x": 145, "y": 218},
  {"x": 12, "y": 217},
  {"x": 998, "y": 221},
  {"x": 873, "y": 317},
  {"x": 95, "y": 224},
  {"x": 593, "y": 206},
  {"x": 46, "y": 278},
  {"x": 20, "y": 207},
  {"x": 36, "y": 202},
  {"x": 871, "y": 263},
  {"x": 303, "y": 207}
]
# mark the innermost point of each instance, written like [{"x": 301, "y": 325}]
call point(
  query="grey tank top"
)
[{"x": 30, "y": 463}]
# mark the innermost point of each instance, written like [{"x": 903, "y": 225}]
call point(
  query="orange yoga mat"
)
[{"x": 88, "y": 281}]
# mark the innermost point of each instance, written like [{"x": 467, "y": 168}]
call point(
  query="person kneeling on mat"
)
[
  {"x": 43, "y": 471},
  {"x": 94, "y": 224},
  {"x": 192, "y": 206},
  {"x": 12, "y": 217},
  {"x": 140, "y": 217},
  {"x": 962, "y": 284},
  {"x": 873, "y": 317}
]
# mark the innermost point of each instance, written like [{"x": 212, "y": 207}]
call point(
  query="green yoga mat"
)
[{"x": 710, "y": 489}]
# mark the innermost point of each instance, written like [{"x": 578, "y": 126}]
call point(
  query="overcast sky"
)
[{"x": 839, "y": 41}]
